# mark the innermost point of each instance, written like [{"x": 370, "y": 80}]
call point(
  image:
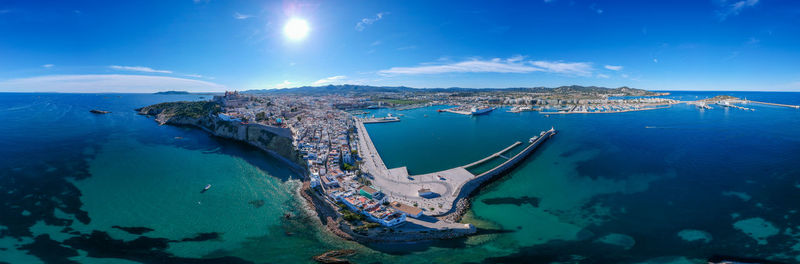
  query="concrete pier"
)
[
  {"x": 774, "y": 104},
  {"x": 448, "y": 186}
]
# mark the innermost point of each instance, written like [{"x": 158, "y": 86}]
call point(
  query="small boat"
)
[
  {"x": 95, "y": 111},
  {"x": 533, "y": 139},
  {"x": 424, "y": 115},
  {"x": 208, "y": 186}
]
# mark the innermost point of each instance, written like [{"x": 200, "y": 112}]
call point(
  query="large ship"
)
[{"x": 481, "y": 111}]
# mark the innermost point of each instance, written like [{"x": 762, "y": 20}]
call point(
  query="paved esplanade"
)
[{"x": 402, "y": 187}]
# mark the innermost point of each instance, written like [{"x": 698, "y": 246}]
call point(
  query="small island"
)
[{"x": 99, "y": 112}]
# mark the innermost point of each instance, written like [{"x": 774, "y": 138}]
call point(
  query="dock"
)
[{"x": 447, "y": 186}]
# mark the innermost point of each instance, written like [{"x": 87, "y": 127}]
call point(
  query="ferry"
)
[
  {"x": 480, "y": 111},
  {"x": 208, "y": 186}
]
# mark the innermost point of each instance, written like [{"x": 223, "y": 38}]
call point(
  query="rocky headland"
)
[{"x": 204, "y": 115}]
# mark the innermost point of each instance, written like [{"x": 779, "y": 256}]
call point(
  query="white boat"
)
[
  {"x": 480, "y": 111},
  {"x": 208, "y": 186}
]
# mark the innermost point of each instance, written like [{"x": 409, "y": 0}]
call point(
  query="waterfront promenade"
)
[{"x": 446, "y": 187}]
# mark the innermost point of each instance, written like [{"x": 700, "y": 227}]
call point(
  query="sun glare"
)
[{"x": 296, "y": 29}]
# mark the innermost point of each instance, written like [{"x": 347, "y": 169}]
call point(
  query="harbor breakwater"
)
[{"x": 469, "y": 188}]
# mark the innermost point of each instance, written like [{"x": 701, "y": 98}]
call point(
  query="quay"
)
[
  {"x": 454, "y": 111},
  {"x": 436, "y": 193},
  {"x": 735, "y": 106},
  {"x": 379, "y": 120}
]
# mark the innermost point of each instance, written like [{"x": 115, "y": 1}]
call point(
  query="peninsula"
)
[{"x": 318, "y": 131}]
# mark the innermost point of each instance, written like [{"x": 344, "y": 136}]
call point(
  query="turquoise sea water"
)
[{"x": 674, "y": 185}]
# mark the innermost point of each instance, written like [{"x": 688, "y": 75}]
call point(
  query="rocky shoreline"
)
[{"x": 272, "y": 140}]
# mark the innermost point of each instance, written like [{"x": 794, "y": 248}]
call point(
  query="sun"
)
[{"x": 296, "y": 29}]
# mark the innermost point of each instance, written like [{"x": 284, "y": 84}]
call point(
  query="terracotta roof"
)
[{"x": 410, "y": 210}]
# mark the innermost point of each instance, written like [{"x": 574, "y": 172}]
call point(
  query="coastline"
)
[{"x": 316, "y": 205}]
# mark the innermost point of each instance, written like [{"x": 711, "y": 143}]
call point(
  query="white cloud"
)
[
  {"x": 613, "y": 67},
  {"x": 407, "y": 47},
  {"x": 573, "y": 68},
  {"x": 376, "y": 43},
  {"x": 600, "y": 75},
  {"x": 48, "y": 65},
  {"x": 284, "y": 84},
  {"x": 240, "y": 16},
  {"x": 732, "y": 8},
  {"x": 138, "y": 68},
  {"x": 515, "y": 64},
  {"x": 194, "y": 75},
  {"x": 99, "y": 83},
  {"x": 330, "y": 80},
  {"x": 361, "y": 25},
  {"x": 655, "y": 60}
]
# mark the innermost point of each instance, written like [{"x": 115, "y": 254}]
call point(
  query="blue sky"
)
[{"x": 214, "y": 45}]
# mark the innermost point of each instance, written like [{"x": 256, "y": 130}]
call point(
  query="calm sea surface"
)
[{"x": 674, "y": 185}]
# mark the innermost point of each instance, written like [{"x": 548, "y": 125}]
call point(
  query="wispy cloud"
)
[
  {"x": 194, "y": 75},
  {"x": 516, "y": 64},
  {"x": 284, "y": 84},
  {"x": 98, "y": 83},
  {"x": 330, "y": 80},
  {"x": 407, "y": 47},
  {"x": 752, "y": 42},
  {"x": 361, "y": 25},
  {"x": 138, "y": 69},
  {"x": 600, "y": 75},
  {"x": 732, "y": 8},
  {"x": 48, "y": 65},
  {"x": 241, "y": 16},
  {"x": 596, "y": 9},
  {"x": 613, "y": 67},
  {"x": 376, "y": 43}
]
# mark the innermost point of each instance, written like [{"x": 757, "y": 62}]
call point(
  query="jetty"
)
[
  {"x": 773, "y": 104},
  {"x": 443, "y": 189}
]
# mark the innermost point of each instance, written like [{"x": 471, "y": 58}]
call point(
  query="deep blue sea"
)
[{"x": 674, "y": 185}]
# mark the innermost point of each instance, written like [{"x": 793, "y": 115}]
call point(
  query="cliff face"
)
[{"x": 274, "y": 140}]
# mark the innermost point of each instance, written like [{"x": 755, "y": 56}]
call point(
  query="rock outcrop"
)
[{"x": 204, "y": 115}]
